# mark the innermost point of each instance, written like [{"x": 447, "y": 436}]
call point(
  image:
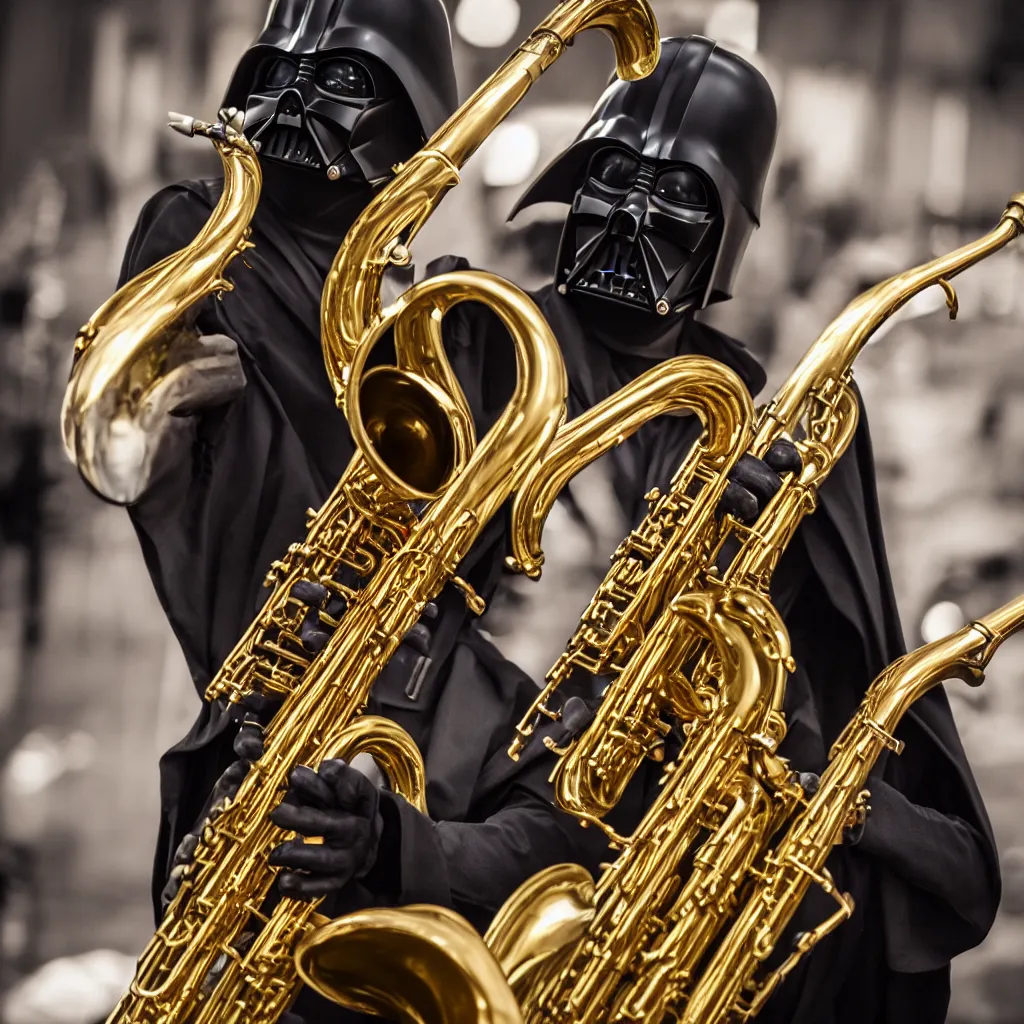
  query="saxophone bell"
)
[
  {"x": 413, "y": 428},
  {"x": 221, "y": 954},
  {"x": 419, "y": 963},
  {"x": 404, "y": 424}
]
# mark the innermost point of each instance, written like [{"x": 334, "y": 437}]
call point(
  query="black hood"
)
[
  {"x": 404, "y": 48},
  {"x": 703, "y": 106}
]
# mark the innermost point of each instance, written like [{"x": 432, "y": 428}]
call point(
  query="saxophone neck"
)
[
  {"x": 120, "y": 397},
  {"x": 831, "y": 358},
  {"x": 381, "y": 236},
  {"x": 962, "y": 655},
  {"x": 695, "y": 383}
]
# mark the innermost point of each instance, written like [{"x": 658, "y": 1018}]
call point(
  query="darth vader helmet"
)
[
  {"x": 346, "y": 88},
  {"x": 665, "y": 182}
]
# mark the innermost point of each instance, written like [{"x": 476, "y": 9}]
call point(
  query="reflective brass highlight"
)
[
  {"x": 546, "y": 914},
  {"x": 124, "y": 379},
  {"x": 423, "y": 964},
  {"x": 695, "y": 384}
]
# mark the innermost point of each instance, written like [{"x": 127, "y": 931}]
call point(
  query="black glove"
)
[
  {"x": 754, "y": 482},
  {"x": 339, "y": 805},
  {"x": 325, "y": 610},
  {"x": 256, "y": 712}
]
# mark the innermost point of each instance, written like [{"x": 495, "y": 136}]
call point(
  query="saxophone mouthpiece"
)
[{"x": 182, "y": 123}]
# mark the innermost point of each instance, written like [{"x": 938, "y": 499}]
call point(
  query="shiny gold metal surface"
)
[
  {"x": 681, "y": 631},
  {"x": 695, "y": 384},
  {"x": 719, "y": 785},
  {"x": 216, "y": 957},
  {"x": 220, "y": 955},
  {"x": 546, "y": 914},
  {"x": 383, "y": 233},
  {"x": 124, "y": 378},
  {"x": 735, "y": 983},
  {"x": 419, "y": 964}
]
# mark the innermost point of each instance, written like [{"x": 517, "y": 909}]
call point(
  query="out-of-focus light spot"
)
[
  {"x": 34, "y": 764},
  {"x": 38, "y": 761},
  {"x": 49, "y": 296},
  {"x": 947, "y": 175},
  {"x": 487, "y": 23},
  {"x": 511, "y": 155},
  {"x": 940, "y": 620},
  {"x": 734, "y": 24},
  {"x": 71, "y": 990}
]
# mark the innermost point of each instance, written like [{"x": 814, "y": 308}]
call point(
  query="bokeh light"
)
[
  {"x": 487, "y": 23},
  {"x": 511, "y": 155},
  {"x": 940, "y": 620}
]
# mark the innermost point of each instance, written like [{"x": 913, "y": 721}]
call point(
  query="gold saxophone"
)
[
  {"x": 219, "y": 954},
  {"x": 734, "y": 983},
  {"x": 124, "y": 377},
  {"x": 643, "y": 935},
  {"x": 679, "y": 633}
]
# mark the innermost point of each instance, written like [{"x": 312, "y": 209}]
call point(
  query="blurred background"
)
[{"x": 901, "y": 136}]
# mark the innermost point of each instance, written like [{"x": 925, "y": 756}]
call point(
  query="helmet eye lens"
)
[
  {"x": 682, "y": 187},
  {"x": 344, "y": 78},
  {"x": 280, "y": 73},
  {"x": 615, "y": 168}
]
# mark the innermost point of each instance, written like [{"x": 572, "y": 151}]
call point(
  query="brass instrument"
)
[
  {"x": 641, "y": 936},
  {"x": 124, "y": 372},
  {"x": 734, "y": 981},
  {"x": 220, "y": 954},
  {"x": 658, "y": 559},
  {"x": 216, "y": 955},
  {"x": 645, "y": 927},
  {"x": 682, "y": 627}
]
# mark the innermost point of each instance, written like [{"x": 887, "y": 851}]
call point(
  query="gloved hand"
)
[
  {"x": 339, "y": 805},
  {"x": 411, "y": 660},
  {"x": 324, "y": 610},
  {"x": 754, "y": 482},
  {"x": 256, "y": 712}
]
